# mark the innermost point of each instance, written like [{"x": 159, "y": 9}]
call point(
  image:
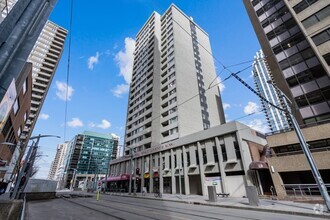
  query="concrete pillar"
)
[
  {"x": 221, "y": 165},
  {"x": 245, "y": 157},
  {"x": 151, "y": 172},
  {"x": 185, "y": 171},
  {"x": 201, "y": 167},
  {"x": 173, "y": 173},
  {"x": 161, "y": 171},
  {"x": 142, "y": 172}
]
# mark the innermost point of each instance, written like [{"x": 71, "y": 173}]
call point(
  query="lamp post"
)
[
  {"x": 28, "y": 164},
  {"x": 73, "y": 180},
  {"x": 305, "y": 148},
  {"x": 131, "y": 170}
]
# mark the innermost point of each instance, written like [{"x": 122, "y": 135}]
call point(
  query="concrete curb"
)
[{"x": 234, "y": 207}]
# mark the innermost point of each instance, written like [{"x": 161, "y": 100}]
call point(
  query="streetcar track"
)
[
  {"x": 105, "y": 213},
  {"x": 123, "y": 210},
  {"x": 147, "y": 206}
]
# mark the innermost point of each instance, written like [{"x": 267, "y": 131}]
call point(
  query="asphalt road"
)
[{"x": 115, "y": 207}]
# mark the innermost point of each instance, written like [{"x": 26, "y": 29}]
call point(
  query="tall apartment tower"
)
[
  {"x": 172, "y": 65},
  {"x": 45, "y": 56},
  {"x": 5, "y": 8},
  {"x": 276, "y": 119},
  {"x": 295, "y": 37},
  {"x": 57, "y": 166}
]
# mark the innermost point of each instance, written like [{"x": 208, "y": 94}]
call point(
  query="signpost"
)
[{"x": 99, "y": 187}]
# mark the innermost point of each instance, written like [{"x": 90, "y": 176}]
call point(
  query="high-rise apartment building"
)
[
  {"x": 276, "y": 119},
  {"x": 294, "y": 35},
  {"x": 295, "y": 38},
  {"x": 57, "y": 166},
  {"x": 172, "y": 64},
  {"x": 45, "y": 56},
  {"x": 88, "y": 156},
  {"x": 175, "y": 119}
]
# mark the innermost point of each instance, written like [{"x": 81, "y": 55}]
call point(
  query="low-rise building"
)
[{"x": 220, "y": 156}]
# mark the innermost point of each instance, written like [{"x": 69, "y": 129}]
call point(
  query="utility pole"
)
[
  {"x": 134, "y": 181},
  {"x": 305, "y": 148},
  {"x": 130, "y": 175},
  {"x": 180, "y": 188},
  {"x": 301, "y": 138}
]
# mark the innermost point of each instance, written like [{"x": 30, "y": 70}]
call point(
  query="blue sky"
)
[{"x": 101, "y": 55}]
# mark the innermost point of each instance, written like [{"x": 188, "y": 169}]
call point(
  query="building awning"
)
[
  {"x": 118, "y": 178},
  {"x": 258, "y": 165}
]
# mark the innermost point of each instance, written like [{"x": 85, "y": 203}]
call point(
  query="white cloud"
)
[
  {"x": 257, "y": 124},
  {"x": 125, "y": 59},
  {"x": 75, "y": 122},
  {"x": 44, "y": 116},
  {"x": 250, "y": 108},
  {"x": 104, "y": 124},
  {"x": 226, "y": 106},
  {"x": 120, "y": 90},
  {"x": 62, "y": 89},
  {"x": 93, "y": 60}
]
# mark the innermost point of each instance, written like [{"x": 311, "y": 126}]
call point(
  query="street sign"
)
[{"x": 99, "y": 185}]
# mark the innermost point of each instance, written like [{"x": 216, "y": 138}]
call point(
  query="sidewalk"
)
[{"x": 266, "y": 205}]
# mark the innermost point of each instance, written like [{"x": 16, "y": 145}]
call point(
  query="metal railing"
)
[{"x": 303, "y": 190}]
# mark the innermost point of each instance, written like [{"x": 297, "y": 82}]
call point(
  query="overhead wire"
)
[{"x": 68, "y": 72}]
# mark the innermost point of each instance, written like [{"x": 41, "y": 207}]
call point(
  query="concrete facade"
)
[
  {"x": 217, "y": 156},
  {"x": 170, "y": 67},
  {"x": 287, "y": 157},
  {"x": 295, "y": 38},
  {"x": 57, "y": 166}
]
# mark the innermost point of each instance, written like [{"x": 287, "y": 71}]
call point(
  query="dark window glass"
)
[
  {"x": 278, "y": 14},
  {"x": 296, "y": 58},
  {"x": 301, "y": 101},
  {"x": 322, "y": 37},
  {"x": 317, "y": 17},
  {"x": 327, "y": 58},
  {"x": 204, "y": 156},
  {"x": 188, "y": 158},
  {"x": 315, "y": 97},
  {"x": 289, "y": 43},
  {"x": 197, "y": 158},
  {"x": 224, "y": 153},
  {"x": 175, "y": 163},
  {"x": 215, "y": 153},
  {"x": 267, "y": 6},
  {"x": 237, "y": 151},
  {"x": 255, "y": 2},
  {"x": 281, "y": 29},
  {"x": 303, "y": 5}
]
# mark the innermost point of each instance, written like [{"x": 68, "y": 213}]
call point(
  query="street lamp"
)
[
  {"x": 73, "y": 178},
  {"x": 26, "y": 170},
  {"x": 305, "y": 148},
  {"x": 132, "y": 150}
]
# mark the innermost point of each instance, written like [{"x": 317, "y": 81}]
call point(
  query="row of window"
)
[
  {"x": 321, "y": 37},
  {"x": 303, "y": 5},
  {"x": 317, "y": 17}
]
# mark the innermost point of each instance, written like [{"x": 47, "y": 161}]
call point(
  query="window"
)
[
  {"x": 24, "y": 87},
  {"x": 16, "y": 106},
  {"x": 173, "y": 120},
  {"x": 215, "y": 153},
  {"x": 224, "y": 153},
  {"x": 322, "y": 37},
  {"x": 237, "y": 151},
  {"x": 317, "y": 17},
  {"x": 204, "y": 156},
  {"x": 173, "y": 131},
  {"x": 327, "y": 58},
  {"x": 25, "y": 116},
  {"x": 188, "y": 158},
  {"x": 303, "y": 5}
]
